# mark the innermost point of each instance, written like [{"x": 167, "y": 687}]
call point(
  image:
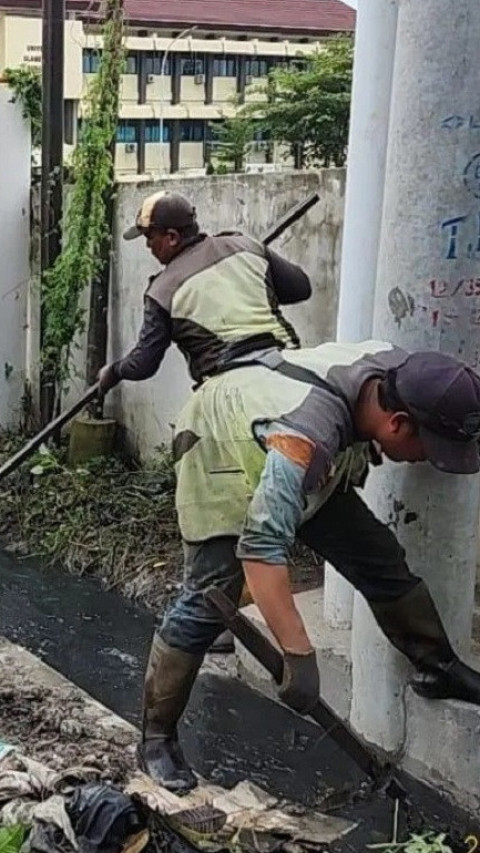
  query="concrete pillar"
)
[
  {"x": 18, "y": 339},
  {"x": 427, "y": 297},
  {"x": 372, "y": 83}
]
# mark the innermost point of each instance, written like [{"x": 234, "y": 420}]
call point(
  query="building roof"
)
[{"x": 308, "y": 17}]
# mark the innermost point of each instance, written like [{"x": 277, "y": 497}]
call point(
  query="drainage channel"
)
[{"x": 100, "y": 641}]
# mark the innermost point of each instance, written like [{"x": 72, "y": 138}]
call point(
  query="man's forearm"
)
[
  {"x": 145, "y": 358},
  {"x": 270, "y": 589}
]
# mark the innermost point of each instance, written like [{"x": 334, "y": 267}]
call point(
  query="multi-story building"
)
[{"x": 187, "y": 63}]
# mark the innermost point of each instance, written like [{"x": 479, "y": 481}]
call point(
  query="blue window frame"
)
[
  {"x": 210, "y": 127},
  {"x": 91, "y": 60},
  {"x": 260, "y": 136},
  {"x": 153, "y": 63},
  {"x": 192, "y": 64},
  {"x": 131, "y": 63},
  {"x": 258, "y": 66},
  {"x": 127, "y": 131},
  {"x": 225, "y": 66},
  {"x": 152, "y": 131},
  {"x": 192, "y": 131}
]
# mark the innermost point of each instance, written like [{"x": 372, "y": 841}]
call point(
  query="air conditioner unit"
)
[
  {"x": 248, "y": 80},
  {"x": 199, "y": 79},
  {"x": 130, "y": 148},
  {"x": 150, "y": 78}
]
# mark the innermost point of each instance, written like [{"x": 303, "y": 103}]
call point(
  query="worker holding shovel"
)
[
  {"x": 273, "y": 450},
  {"x": 217, "y": 297}
]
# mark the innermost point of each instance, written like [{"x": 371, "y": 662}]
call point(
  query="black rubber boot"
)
[
  {"x": 456, "y": 681},
  {"x": 168, "y": 682},
  {"x": 413, "y": 625},
  {"x": 163, "y": 760}
]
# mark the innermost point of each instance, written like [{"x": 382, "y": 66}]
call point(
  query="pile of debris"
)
[
  {"x": 68, "y": 782},
  {"x": 65, "y": 812}
]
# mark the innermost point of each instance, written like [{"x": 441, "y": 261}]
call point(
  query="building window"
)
[
  {"x": 127, "y": 131},
  {"x": 91, "y": 60},
  {"x": 152, "y": 131},
  {"x": 131, "y": 63},
  {"x": 191, "y": 65},
  {"x": 192, "y": 131},
  {"x": 153, "y": 63},
  {"x": 259, "y": 66},
  {"x": 211, "y": 130},
  {"x": 69, "y": 117},
  {"x": 225, "y": 66},
  {"x": 261, "y": 136}
]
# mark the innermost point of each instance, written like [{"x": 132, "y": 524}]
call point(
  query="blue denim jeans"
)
[
  {"x": 190, "y": 624},
  {"x": 344, "y": 531}
]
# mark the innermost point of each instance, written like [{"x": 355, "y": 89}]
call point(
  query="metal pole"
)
[
  {"x": 52, "y": 128},
  {"x": 52, "y": 157},
  {"x": 181, "y": 35}
]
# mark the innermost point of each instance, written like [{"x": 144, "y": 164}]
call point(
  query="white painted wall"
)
[
  {"x": 252, "y": 203},
  {"x": 14, "y": 253}
]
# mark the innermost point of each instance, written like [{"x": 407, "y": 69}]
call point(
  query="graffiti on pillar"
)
[
  {"x": 458, "y": 122},
  {"x": 458, "y": 235},
  {"x": 446, "y": 302},
  {"x": 401, "y": 305},
  {"x": 471, "y": 176}
]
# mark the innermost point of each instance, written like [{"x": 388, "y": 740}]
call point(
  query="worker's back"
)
[{"x": 222, "y": 297}]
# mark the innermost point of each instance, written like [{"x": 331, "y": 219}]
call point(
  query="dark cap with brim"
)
[
  {"x": 451, "y": 457},
  {"x": 162, "y": 210},
  {"x": 442, "y": 394}
]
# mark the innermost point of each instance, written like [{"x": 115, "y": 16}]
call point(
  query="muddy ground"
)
[{"x": 57, "y": 733}]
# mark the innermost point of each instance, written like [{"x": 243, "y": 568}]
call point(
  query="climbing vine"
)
[
  {"x": 26, "y": 85},
  {"x": 84, "y": 224}
]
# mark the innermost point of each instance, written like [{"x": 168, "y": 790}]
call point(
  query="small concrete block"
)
[{"x": 443, "y": 746}]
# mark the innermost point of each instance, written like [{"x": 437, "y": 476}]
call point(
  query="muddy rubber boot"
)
[
  {"x": 223, "y": 645},
  {"x": 168, "y": 682},
  {"x": 413, "y": 625},
  {"x": 453, "y": 681}
]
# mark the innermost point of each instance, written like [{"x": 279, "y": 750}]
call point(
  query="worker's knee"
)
[
  {"x": 394, "y": 583},
  {"x": 190, "y": 625}
]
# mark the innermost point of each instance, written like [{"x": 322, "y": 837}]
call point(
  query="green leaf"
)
[{"x": 11, "y": 838}]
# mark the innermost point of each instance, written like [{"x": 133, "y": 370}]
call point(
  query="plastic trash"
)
[{"x": 105, "y": 820}]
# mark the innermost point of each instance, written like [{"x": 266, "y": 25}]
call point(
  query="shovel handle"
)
[
  {"x": 47, "y": 431},
  {"x": 272, "y": 659}
]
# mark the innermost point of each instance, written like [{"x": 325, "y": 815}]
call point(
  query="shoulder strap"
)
[{"x": 274, "y": 361}]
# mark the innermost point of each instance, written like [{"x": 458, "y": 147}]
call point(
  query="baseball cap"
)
[
  {"x": 443, "y": 396},
  {"x": 162, "y": 210}
]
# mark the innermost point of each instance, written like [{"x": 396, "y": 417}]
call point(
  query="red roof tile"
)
[
  {"x": 283, "y": 16},
  {"x": 286, "y": 15}
]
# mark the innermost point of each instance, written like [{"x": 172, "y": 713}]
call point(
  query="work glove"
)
[
  {"x": 107, "y": 378},
  {"x": 300, "y": 687}
]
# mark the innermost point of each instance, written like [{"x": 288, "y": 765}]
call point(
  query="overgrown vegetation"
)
[
  {"x": 26, "y": 85},
  {"x": 108, "y": 518},
  {"x": 425, "y": 842},
  {"x": 85, "y": 222}
]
